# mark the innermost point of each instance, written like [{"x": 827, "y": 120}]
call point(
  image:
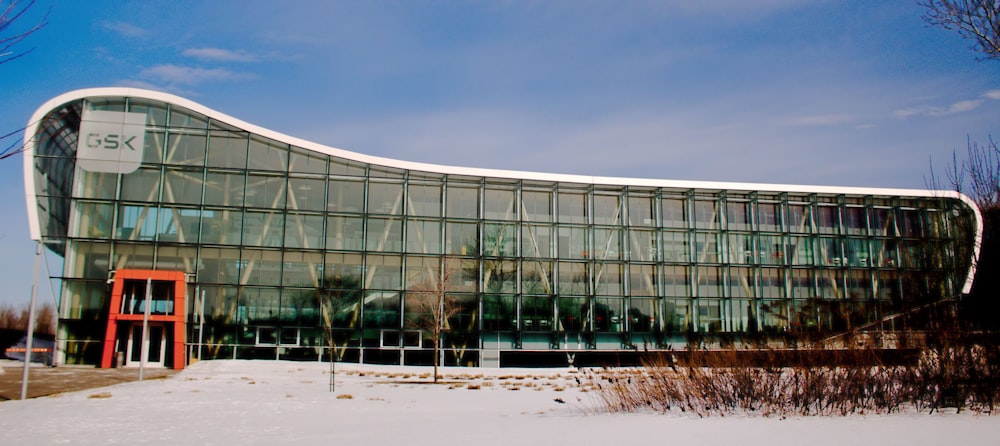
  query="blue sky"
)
[{"x": 779, "y": 91}]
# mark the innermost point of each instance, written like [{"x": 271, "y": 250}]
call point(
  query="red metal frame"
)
[{"x": 176, "y": 321}]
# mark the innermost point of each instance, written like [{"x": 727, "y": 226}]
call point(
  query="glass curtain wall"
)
[{"x": 298, "y": 254}]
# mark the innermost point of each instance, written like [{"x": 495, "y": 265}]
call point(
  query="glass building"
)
[{"x": 234, "y": 241}]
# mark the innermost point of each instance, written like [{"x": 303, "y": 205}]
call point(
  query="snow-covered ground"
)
[{"x": 274, "y": 402}]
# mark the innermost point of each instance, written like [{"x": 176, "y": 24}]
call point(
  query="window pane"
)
[
  {"x": 463, "y": 202},
  {"x": 423, "y": 236},
  {"x": 572, "y": 207},
  {"x": 607, "y": 210},
  {"x": 537, "y": 206},
  {"x": 346, "y": 196},
  {"x": 463, "y": 239},
  {"x": 499, "y": 204},
  {"x": 265, "y": 191},
  {"x": 304, "y": 231},
  {"x": 306, "y": 194},
  {"x": 384, "y": 235},
  {"x": 227, "y": 149},
  {"x": 536, "y": 241},
  {"x": 424, "y": 200},
  {"x": 385, "y": 198},
  {"x": 641, "y": 211}
]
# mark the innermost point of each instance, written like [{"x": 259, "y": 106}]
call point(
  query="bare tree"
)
[
  {"x": 427, "y": 302},
  {"x": 13, "y": 14},
  {"x": 978, "y": 20}
]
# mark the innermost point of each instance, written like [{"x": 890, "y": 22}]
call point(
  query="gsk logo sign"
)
[{"x": 111, "y": 141}]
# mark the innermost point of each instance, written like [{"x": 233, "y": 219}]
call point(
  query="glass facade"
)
[{"x": 293, "y": 252}]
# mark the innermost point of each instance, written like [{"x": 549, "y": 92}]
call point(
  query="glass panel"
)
[
  {"x": 676, "y": 280},
  {"x": 224, "y": 189},
  {"x": 572, "y": 207},
  {"x": 831, "y": 284},
  {"x": 707, "y": 247},
  {"x": 741, "y": 249},
  {"x": 574, "y": 314},
  {"x": 799, "y": 218},
  {"x": 772, "y": 282},
  {"x": 642, "y": 280},
  {"x": 138, "y": 256},
  {"x": 710, "y": 281},
  {"x": 499, "y": 276},
  {"x": 802, "y": 250},
  {"x": 306, "y": 194},
  {"x": 859, "y": 284},
  {"x": 802, "y": 283},
  {"x": 607, "y": 210},
  {"x": 463, "y": 239},
  {"x": 265, "y": 191},
  {"x": 499, "y": 312},
  {"x": 573, "y": 278},
  {"x": 177, "y": 258},
  {"x": 885, "y": 253},
  {"x": 642, "y": 246},
  {"x": 499, "y": 204},
  {"x": 855, "y": 221},
  {"x": 536, "y": 277},
  {"x": 263, "y": 228},
  {"x": 423, "y": 236},
  {"x": 95, "y": 185},
  {"x": 142, "y": 185},
  {"x": 709, "y": 315},
  {"x": 227, "y": 149},
  {"x": 769, "y": 217},
  {"x": 462, "y": 275},
  {"x": 573, "y": 243},
  {"x": 641, "y": 211},
  {"x": 676, "y": 316},
  {"x": 642, "y": 315},
  {"x": 741, "y": 282},
  {"x": 384, "y": 272},
  {"x": 339, "y": 166},
  {"x": 219, "y": 265},
  {"x": 343, "y": 271},
  {"x": 93, "y": 220},
  {"x": 537, "y": 206},
  {"x": 830, "y": 252},
  {"x": 536, "y": 241},
  {"x": 674, "y": 213},
  {"x": 344, "y": 233},
  {"x": 609, "y": 315},
  {"x": 88, "y": 260},
  {"x": 463, "y": 202},
  {"x": 608, "y": 280},
  {"x": 304, "y": 231},
  {"x": 536, "y": 313},
  {"x": 744, "y": 315},
  {"x": 424, "y": 200},
  {"x": 738, "y": 216},
  {"x": 180, "y": 117},
  {"x": 136, "y": 222},
  {"x": 423, "y": 273},
  {"x": 266, "y": 154},
  {"x": 827, "y": 219},
  {"x": 706, "y": 214},
  {"x": 302, "y": 269},
  {"x": 306, "y": 161},
  {"x": 346, "y": 196},
  {"x": 772, "y": 250},
  {"x": 183, "y": 148},
  {"x": 381, "y": 309},
  {"x": 178, "y": 225},
  {"x": 221, "y": 226},
  {"x": 882, "y": 222},
  {"x": 183, "y": 186},
  {"x": 261, "y": 267},
  {"x": 384, "y": 198},
  {"x": 607, "y": 244},
  {"x": 909, "y": 223},
  {"x": 857, "y": 253},
  {"x": 676, "y": 247},
  {"x": 385, "y": 235}
]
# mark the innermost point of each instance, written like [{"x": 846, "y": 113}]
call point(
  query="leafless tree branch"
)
[{"x": 978, "y": 20}]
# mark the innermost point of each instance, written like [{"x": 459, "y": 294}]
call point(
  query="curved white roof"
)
[{"x": 453, "y": 170}]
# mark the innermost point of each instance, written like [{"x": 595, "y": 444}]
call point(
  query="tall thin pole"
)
[
  {"x": 201, "y": 324},
  {"x": 144, "y": 346},
  {"x": 31, "y": 323}
]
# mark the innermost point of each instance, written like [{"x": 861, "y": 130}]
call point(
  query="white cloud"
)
[
  {"x": 815, "y": 120},
  {"x": 190, "y": 75},
  {"x": 932, "y": 111},
  {"x": 125, "y": 29},
  {"x": 992, "y": 94},
  {"x": 220, "y": 55}
]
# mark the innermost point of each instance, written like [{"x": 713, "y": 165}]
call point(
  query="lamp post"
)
[{"x": 31, "y": 323}]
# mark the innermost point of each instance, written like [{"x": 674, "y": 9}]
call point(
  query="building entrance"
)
[
  {"x": 150, "y": 297},
  {"x": 154, "y": 348}
]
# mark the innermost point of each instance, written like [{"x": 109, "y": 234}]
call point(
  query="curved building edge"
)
[{"x": 31, "y": 130}]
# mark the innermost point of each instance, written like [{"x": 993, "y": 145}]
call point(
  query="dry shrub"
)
[
  {"x": 99, "y": 395},
  {"x": 961, "y": 375},
  {"x": 345, "y": 396}
]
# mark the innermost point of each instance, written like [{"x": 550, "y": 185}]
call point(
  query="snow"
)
[{"x": 277, "y": 402}]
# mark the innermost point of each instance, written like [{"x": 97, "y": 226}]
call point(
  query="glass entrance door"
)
[{"x": 155, "y": 346}]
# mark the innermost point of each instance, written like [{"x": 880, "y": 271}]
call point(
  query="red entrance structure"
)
[{"x": 127, "y": 310}]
